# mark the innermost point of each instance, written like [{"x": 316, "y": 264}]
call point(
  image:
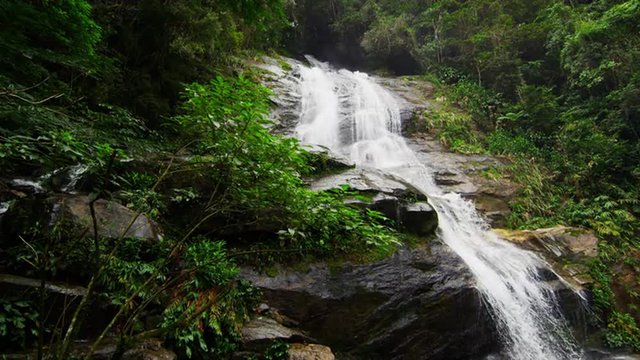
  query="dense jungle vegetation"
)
[
  {"x": 152, "y": 94},
  {"x": 155, "y": 98}
]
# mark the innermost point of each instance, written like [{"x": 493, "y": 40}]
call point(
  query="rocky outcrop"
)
[
  {"x": 310, "y": 352},
  {"x": 418, "y": 304},
  {"x": 564, "y": 247},
  {"x": 262, "y": 331},
  {"x": 268, "y": 328},
  {"x": 399, "y": 201},
  {"x": 560, "y": 242},
  {"x": 325, "y": 160},
  {"x": 73, "y": 211},
  {"x": 473, "y": 176}
]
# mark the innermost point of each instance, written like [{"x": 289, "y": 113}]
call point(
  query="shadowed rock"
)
[{"x": 417, "y": 304}]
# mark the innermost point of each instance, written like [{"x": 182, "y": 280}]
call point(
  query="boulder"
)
[
  {"x": 389, "y": 205},
  {"x": 74, "y": 214},
  {"x": 419, "y": 218},
  {"x": 417, "y": 304},
  {"x": 367, "y": 180},
  {"x": 327, "y": 160},
  {"x": 397, "y": 200},
  {"x": 560, "y": 242},
  {"x": 262, "y": 331},
  {"x": 310, "y": 352}
]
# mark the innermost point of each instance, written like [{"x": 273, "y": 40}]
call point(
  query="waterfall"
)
[{"x": 353, "y": 115}]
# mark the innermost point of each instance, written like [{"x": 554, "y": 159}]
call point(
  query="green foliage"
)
[
  {"x": 622, "y": 330},
  {"x": 38, "y": 33},
  {"x": 326, "y": 227},
  {"x": 388, "y": 37},
  {"x": 164, "y": 45},
  {"x": 18, "y": 323},
  {"x": 501, "y": 142},
  {"x": 209, "y": 320},
  {"x": 260, "y": 174},
  {"x": 455, "y": 130},
  {"x": 277, "y": 351},
  {"x": 227, "y": 119}
]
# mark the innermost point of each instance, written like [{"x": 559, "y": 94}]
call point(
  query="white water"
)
[{"x": 351, "y": 114}]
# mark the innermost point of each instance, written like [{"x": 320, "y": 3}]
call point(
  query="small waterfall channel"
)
[{"x": 351, "y": 114}]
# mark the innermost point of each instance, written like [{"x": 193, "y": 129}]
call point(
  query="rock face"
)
[
  {"x": 417, "y": 304},
  {"x": 112, "y": 218},
  {"x": 329, "y": 160},
  {"x": 419, "y": 218},
  {"x": 396, "y": 199},
  {"x": 560, "y": 242},
  {"x": 470, "y": 176}
]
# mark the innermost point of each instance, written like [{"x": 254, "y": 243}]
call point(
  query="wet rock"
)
[
  {"x": 69, "y": 179},
  {"x": 327, "y": 160},
  {"x": 558, "y": 242},
  {"x": 29, "y": 186},
  {"x": 419, "y": 218},
  {"x": 310, "y": 352},
  {"x": 387, "y": 204},
  {"x": 417, "y": 304},
  {"x": 416, "y": 95},
  {"x": 282, "y": 77},
  {"x": 74, "y": 214},
  {"x": 473, "y": 176}
]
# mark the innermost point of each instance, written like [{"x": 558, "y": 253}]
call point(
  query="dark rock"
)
[
  {"x": 417, "y": 304},
  {"x": 388, "y": 205},
  {"x": 419, "y": 218},
  {"x": 327, "y": 160}
]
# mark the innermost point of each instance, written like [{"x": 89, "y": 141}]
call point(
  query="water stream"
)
[{"x": 351, "y": 114}]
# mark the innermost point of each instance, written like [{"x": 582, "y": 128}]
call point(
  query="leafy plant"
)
[
  {"x": 19, "y": 322},
  {"x": 277, "y": 351},
  {"x": 622, "y": 330}
]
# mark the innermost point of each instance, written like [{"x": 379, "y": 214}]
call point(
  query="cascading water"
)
[{"x": 353, "y": 115}]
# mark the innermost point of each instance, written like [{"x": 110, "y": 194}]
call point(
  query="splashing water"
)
[{"x": 351, "y": 114}]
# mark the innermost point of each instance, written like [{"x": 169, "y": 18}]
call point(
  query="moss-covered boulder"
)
[{"x": 69, "y": 216}]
